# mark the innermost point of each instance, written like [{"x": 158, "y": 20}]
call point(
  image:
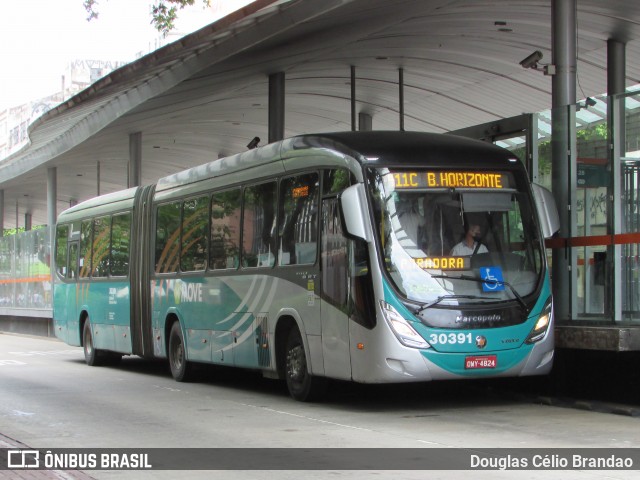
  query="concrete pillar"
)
[
  {"x": 52, "y": 196},
  {"x": 134, "y": 178},
  {"x": 563, "y": 94},
  {"x": 27, "y": 222},
  {"x": 276, "y": 107}
]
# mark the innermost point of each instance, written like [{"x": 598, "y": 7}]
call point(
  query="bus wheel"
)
[
  {"x": 301, "y": 384},
  {"x": 180, "y": 368},
  {"x": 92, "y": 356}
]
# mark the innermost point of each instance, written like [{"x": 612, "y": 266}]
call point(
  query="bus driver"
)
[{"x": 470, "y": 244}]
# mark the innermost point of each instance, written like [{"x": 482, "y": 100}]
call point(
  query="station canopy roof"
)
[{"x": 206, "y": 95}]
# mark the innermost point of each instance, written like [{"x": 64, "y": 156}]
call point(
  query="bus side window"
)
[
  {"x": 195, "y": 225},
  {"x": 225, "y": 230},
  {"x": 73, "y": 260},
  {"x": 62, "y": 241},
  {"x": 100, "y": 249},
  {"x": 85, "y": 249},
  {"x": 167, "y": 237},
  {"x": 258, "y": 226},
  {"x": 298, "y": 229},
  {"x": 336, "y": 180},
  {"x": 120, "y": 244}
]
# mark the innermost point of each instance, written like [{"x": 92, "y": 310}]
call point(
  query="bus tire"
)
[
  {"x": 301, "y": 384},
  {"x": 92, "y": 356},
  {"x": 181, "y": 369}
]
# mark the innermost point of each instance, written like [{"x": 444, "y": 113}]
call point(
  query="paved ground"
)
[{"x": 49, "y": 399}]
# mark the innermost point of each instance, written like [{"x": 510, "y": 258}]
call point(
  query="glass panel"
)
[
  {"x": 85, "y": 249},
  {"x": 631, "y": 208},
  {"x": 7, "y": 287},
  {"x": 259, "y": 226},
  {"x": 120, "y": 243},
  {"x": 593, "y": 182},
  {"x": 336, "y": 180},
  {"x": 73, "y": 260},
  {"x": 334, "y": 256},
  {"x": 516, "y": 144},
  {"x": 298, "y": 227},
  {"x": 101, "y": 239},
  {"x": 62, "y": 236},
  {"x": 440, "y": 242},
  {"x": 225, "y": 229},
  {"x": 167, "y": 237},
  {"x": 195, "y": 225}
]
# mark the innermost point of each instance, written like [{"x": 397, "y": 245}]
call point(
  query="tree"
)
[{"x": 163, "y": 12}]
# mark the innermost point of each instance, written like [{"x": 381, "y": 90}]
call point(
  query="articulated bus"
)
[{"x": 319, "y": 257}]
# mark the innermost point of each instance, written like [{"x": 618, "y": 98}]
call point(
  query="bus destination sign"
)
[
  {"x": 444, "y": 263},
  {"x": 450, "y": 179}
]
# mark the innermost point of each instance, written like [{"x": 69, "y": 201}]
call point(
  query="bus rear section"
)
[{"x": 92, "y": 281}]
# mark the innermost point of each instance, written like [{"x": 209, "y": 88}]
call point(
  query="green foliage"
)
[
  {"x": 163, "y": 12},
  {"x": 13, "y": 231}
]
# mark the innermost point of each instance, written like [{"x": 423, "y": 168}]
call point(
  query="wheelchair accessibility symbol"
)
[{"x": 492, "y": 277}]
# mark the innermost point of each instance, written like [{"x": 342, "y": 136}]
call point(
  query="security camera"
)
[
  {"x": 532, "y": 60},
  {"x": 253, "y": 143}
]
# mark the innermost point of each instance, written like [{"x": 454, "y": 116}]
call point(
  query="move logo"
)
[{"x": 184, "y": 292}]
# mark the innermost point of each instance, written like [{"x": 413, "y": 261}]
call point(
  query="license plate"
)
[{"x": 483, "y": 361}]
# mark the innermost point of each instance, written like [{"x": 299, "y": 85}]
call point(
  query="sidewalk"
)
[{"x": 10, "y": 443}]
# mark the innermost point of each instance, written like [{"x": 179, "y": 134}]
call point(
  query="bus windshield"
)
[{"x": 452, "y": 237}]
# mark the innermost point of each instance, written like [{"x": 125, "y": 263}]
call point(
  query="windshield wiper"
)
[
  {"x": 492, "y": 282},
  {"x": 423, "y": 307}
]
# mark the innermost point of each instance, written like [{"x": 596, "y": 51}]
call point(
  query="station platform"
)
[{"x": 588, "y": 335}]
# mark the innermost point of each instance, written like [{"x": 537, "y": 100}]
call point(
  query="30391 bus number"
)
[{"x": 449, "y": 338}]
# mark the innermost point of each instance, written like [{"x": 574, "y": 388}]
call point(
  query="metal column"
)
[
  {"x": 532, "y": 146},
  {"x": 52, "y": 196},
  {"x": 401, "y": 98},
  {"x": 276, "y": 107},
  {"x": 134, "y": 177},
  {"x": 563, "y": 174},
  {"x": 353, "y": 98},
  {"x": 365, "y": 122},
  {"x": 616, "y": 66}
]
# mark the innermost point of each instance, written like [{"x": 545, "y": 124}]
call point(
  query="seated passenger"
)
[{"x": 470, "y": 244}]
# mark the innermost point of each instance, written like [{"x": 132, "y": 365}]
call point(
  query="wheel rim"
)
[
  {"x": 296, "y": 364},
  {"x": 88, "y": 343},
  {"x": 177, "y": 354}
]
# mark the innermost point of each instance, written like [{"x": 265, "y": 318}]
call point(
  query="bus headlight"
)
[
  {"x": 401, "y": 328},
  {"x": 542, "y": 325}
]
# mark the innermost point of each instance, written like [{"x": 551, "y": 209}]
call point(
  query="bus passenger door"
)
[
  {"x": 71, "y": 293},
  {"x": 335, "y": 293}
]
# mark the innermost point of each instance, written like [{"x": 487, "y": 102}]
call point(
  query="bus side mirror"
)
[
  {"x": 547, "y": 210},
  {"x": 353, "y": 202}
]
